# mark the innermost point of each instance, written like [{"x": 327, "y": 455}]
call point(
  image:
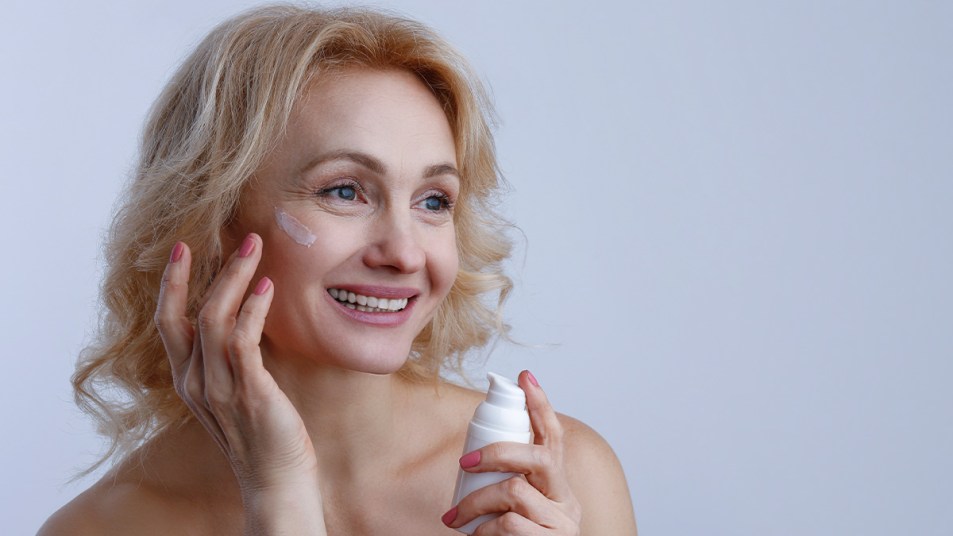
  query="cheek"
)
[
  {"x": 315, "y": 231},
  {"x": 445, "y": 264},
  {"x": 298, "y": 252},
  {"x": 328, "y": 251},
  {"x": 294, "y": 228}
]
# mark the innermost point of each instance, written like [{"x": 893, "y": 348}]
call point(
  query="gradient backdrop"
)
[{"x": 738, "y": 255}]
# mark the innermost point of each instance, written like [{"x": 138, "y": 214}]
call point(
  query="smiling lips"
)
[{"x": 368, "y": 304}]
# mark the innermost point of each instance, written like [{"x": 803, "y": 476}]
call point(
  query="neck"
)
[{"x": 351, "y": 416}]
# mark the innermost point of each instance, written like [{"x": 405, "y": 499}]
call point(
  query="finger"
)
[
  {"x": 243, "y": 344},
  {"x": 514, "y": 495},
  {"x": 194, "y": 395},
  {"x": 510, "y": 523},
  {"x": 218, "y": 281},
  {"x": 194, "y": 381},
  {"x": 542, "y": 470},
  {"x": 218, "y": 316},
  {"x": 171, "y": 321},
  {"x": 547, "y": 430}
]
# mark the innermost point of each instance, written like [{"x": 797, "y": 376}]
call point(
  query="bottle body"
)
[{"x": 502, "y": 417}]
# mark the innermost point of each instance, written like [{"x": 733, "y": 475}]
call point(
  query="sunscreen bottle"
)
[{"x": 501, "y": 417}]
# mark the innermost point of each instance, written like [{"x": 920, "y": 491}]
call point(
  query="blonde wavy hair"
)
[{"x": 206, "y": 135}]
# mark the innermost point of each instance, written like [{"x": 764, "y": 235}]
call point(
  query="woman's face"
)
[{"x": 367, "y": 175}]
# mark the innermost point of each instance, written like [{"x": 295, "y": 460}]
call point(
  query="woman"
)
[{"x": 308, "y": 240}]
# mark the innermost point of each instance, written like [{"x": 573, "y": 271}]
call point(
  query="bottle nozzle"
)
[{"x": 504, "y": 392}]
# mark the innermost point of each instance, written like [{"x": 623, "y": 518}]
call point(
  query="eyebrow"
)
[
  {"x": 442, "y": 169},
  {"x": 375, "y": 165}
]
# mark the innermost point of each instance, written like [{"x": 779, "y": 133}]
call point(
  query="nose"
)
[{"x": 395, "y": 245}]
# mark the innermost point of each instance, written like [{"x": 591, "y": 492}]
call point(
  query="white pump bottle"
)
[{"x": 501, "y": 417}]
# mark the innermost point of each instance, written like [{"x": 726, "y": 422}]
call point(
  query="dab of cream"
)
[{"x": 298, "y": 231}]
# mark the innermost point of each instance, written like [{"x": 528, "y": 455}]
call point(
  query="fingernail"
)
[
  {"x": 449, "y": 516},
  {"x": 532, "y": 379},
  {"x": 177, "y": 251},
  {"x": 470, "y": 460},
  {"x": 263, "y": 286},
  {"x": 247, "y": 246}
]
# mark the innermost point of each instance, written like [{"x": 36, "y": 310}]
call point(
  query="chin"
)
[
  {"x": 372, "y": 360},
  {"x": 382, "y": 369},
  {"x": 386, "y": 362}
]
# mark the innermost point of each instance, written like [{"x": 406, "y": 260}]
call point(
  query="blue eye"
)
[
  {"x": 437, "y": 203},
  {"x": 348, "y": 193},
  {"x": 343, "y": 192}
]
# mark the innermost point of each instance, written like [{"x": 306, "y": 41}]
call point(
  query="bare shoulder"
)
[
  {"x": 109, "y": 508},
  {"x": 466, "y": 397},
  {"x": 597, "y": 479},
  {"x": 450, "y": 401},
  {"x": 157, "y": 490},
  {"x": 584, "y": 445},
  {"x": 80, "y": 516}
]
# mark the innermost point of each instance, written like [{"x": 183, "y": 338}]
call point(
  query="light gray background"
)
[{"x": 739, "y": 240}]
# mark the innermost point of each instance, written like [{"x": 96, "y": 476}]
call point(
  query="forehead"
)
[{"x": 377, "y": 111}]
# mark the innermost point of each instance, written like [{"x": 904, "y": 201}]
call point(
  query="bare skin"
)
[
  {"x": 301, "y": 429},
  {"x": 182, "y": 484}
]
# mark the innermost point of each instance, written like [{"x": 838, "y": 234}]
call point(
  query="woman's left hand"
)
[{"x": 540, "y": 503}]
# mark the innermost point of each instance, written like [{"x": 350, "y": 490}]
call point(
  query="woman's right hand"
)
[{"x": 217, "y": 370}]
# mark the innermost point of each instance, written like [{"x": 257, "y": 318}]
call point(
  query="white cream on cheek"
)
[{"x": 298, "y": 231}]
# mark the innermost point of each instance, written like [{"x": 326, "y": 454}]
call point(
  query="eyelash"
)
[
  {"x": 446, "y": 202},
  {"x": 327, "y": 192}
]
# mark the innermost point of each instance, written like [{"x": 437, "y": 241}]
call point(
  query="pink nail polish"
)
[
  {"x": 247, "y": 246},
  {"x": 532, "y": 379},
  {"x": 449, "y": 516},
  {"x": 471, "y": 460},
  {"x": 263, "y": 286},
  {"x": 177, "y": 251}
]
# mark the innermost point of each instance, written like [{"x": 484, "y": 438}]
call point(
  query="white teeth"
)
[{"x": 368, "y": 304}]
